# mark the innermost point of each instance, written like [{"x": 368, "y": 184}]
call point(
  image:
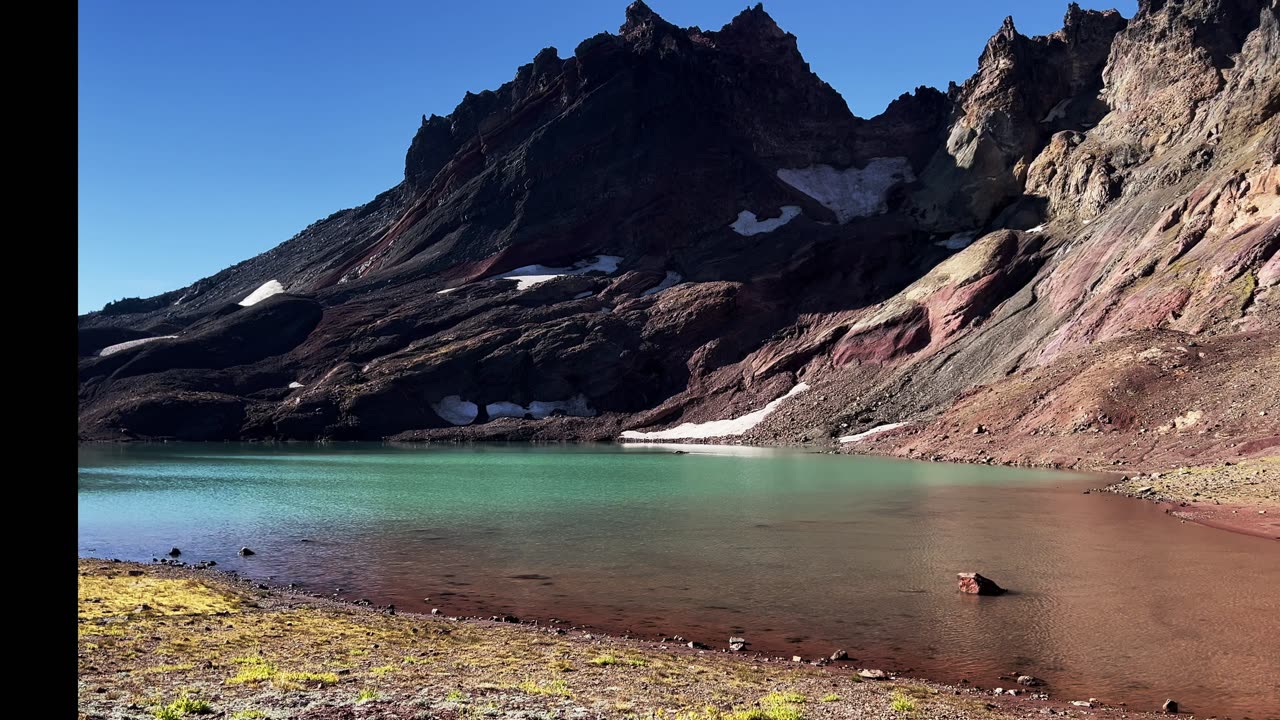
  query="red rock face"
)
[{"x": 1100, "y": 207}]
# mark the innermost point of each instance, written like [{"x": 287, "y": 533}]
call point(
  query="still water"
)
[{"x": 800, "y": 553}]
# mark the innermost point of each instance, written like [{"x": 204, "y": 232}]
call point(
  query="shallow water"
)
[{"x": 801, "y": 553}]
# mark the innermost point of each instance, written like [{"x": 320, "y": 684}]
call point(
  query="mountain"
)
[{"x": 676, "y": 232}]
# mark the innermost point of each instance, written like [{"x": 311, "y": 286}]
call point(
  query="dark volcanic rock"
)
[{"x": 724, "y": 231}]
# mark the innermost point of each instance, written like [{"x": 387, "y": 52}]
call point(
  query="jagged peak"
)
[
  {"x": 639, "y": 17},
  {"x": 754, "y": 20}
]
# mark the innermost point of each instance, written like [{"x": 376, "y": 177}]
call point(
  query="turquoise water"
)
[{"x": 801, "y": 553}]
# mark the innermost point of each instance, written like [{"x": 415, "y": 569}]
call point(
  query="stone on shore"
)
[
  {"x": 1170, "y": 706},
  {"x": 840, "y": 655},
  {"x": 873, "y": 674},
  {"x": 975, "y": 584}
]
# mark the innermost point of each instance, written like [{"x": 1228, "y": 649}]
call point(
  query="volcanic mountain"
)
[{"x": 681, "y": 233}]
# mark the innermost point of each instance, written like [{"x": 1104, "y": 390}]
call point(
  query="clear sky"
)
[{"x": 212, "y": 131}]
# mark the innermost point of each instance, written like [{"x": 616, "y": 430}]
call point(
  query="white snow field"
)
[
  {"x": 873, "y": 431},
  {"x": 266, "y": 290},
  {"x": 716, "y": 428},
  {"x": 113, "y": 349},
  {"x": 850, "y": 193},
  {"x": 747, "y": 223},
  {"x": 530, "y": 275}
]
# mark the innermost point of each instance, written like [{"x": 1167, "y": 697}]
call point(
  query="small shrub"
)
[
  {"x": 182, "y": 707},
  {"x": 902, "y": 703},
  {"x": 367, "y": 695}
]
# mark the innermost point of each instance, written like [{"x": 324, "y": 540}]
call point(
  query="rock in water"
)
[
  {"x": 840, "y": 655},
  {"x": 975, "y": 584},
  {"x": 1029, "y": 680},
  {"x": 1170, "y": 706},
  {"x": 175, "y": 552},
  {"x": 246, "y": 552},
  {"x": 737, "y": 644}
]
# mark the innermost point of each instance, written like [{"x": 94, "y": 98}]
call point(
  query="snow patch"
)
[
  {"x": 959, "y": 241},
  {"x": 455, "y": 410},
  {"x": 576, "y": 406},
  {"x": 295, "y": 385},
  {"x": 113, "y": 349},
  {"x": 266, "y": 290},
  {"x": 671, "y": 280},
  {"x": 873, "y": 431},
  {"x": 530, "y": 275},
  {"x": 445, "y": 291},
  {"x": 697, "y": 449},
  {"x": 716, "y": 428},
  {"x": 1037, "y": 229},
  {"x": 850, "y": 193},
  {"x": 1057, "y": 112},
  {"x": 747, "y": 224},
  {"x": 584, "y": 294}
]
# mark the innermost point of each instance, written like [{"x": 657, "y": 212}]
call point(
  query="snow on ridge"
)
[
  {"x": 747, "y": 224},
  {"x": 264, "y": 291},
  {"x": 113, "y": 349},
  {"x": 672, "y": 279},
  {"x": 295, "y": 385},
  {"x": 1037, "y": 229},
  {"x": 530, "y": 275},
  {"x": 716, "y": 428},
  {"x": 850, "y": 193},
  {"x": 869, "y": 433}
]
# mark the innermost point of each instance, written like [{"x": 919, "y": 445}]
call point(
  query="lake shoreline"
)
[{"x": 151, "y": 635}]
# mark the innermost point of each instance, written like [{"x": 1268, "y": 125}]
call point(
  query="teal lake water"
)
[{"x": 800, "y": 553}]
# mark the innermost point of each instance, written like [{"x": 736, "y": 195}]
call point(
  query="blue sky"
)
[{"x": 210, "y": 132}]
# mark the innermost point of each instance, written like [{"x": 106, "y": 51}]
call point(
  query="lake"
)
[{"x": 801, "y": 553}]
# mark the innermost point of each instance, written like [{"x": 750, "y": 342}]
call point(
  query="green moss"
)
[
  {"x": 902, "y": 703},
  {"x": 830, "y": 697},
  {"x": 554, "y": 687}
]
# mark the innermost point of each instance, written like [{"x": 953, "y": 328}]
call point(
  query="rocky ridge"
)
[{"x": 675, "y": 227}]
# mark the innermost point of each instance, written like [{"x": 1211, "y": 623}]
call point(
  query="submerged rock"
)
[
  {"x": 246, "y": 552},
  {"x": 975, "y": 584}
]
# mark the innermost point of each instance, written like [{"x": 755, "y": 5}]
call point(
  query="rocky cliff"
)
[{"x": 677, "y": 233}]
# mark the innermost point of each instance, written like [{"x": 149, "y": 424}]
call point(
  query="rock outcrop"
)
[{"x": 674, "y": 227}]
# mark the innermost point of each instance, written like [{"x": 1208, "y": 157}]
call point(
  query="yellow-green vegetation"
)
[
  {"x": 367, "y": 695},
  {"x": 608, "y": 659},
  {"x": 902, "y": 703},
  {"x": 103, "y": 596},
  {"x": 547, "y": 687},
  {"x": 207, "y": 637},
  {"x": 183, "y": 707},
  {"x": 257, "y": 670}
]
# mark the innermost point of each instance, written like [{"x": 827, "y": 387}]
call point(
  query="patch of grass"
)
[
  {"x": 182, "y": 707},
  {"x": 367, "y": 695},
  {"x": 560, "y": 665},
  {"x": 300, "y": 680},
  {"x": 160, "y": 669},
  {"x": 829, "y": 697},
  {"x": 248, "y": 715},
  {"x": 384, "y": 670},
  {"x": 553, "y": 687},
  {"x": 608, "y": 659},
  {"x": 412, "y": 660},
  {"x": 112, "y": 595},
  {"x": 902, "y": 703},
  {"x": 455, "y": 696},
  {"x": 253, "y": 670}
]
